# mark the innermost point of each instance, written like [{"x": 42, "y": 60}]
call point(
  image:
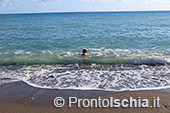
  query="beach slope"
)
[{"x": 18, "y": 97}]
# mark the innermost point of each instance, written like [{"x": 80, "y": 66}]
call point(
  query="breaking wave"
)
[{"x": 105, "y": 56}]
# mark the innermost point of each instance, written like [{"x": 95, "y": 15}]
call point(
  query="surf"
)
[{"x": 70, "y": 57}]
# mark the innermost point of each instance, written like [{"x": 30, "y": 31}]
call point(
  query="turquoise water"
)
[
  {"x": 65, "y": 34},
  {"x": 133, "y": 44}
]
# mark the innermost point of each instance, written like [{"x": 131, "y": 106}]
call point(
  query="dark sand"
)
[{"x": 18, "y": 97}]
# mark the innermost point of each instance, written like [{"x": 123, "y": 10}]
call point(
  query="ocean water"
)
[{"x": 126, "y": 50}]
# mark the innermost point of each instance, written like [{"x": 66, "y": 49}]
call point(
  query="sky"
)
[{"x": 36, "y": 6}]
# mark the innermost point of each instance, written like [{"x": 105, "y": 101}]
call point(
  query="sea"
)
[{"x": 127, "y": 51}]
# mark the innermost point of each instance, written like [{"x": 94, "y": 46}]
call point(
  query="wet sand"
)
[{"x": 18, "y": 97}]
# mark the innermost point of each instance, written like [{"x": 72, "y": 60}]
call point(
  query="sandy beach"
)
[
  {"x": 18, "y": 97},
  {"x": 128, "y": 57}
]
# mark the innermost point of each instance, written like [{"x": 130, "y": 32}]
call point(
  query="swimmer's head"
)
[{"x": 84, "y": 51}]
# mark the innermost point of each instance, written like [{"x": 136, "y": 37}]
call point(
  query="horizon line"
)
[{"x": 102, "y": 11}]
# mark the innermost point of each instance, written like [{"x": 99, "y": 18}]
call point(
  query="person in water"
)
[{"x": 84, "y": 52}]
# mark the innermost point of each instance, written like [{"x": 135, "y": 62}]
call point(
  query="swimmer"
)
[{"x": 84, "y": 52}]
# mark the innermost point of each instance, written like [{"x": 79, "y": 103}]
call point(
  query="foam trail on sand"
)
[{"x": 90, "y": 77}]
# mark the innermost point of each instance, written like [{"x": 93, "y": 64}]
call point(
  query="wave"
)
[
  {"x": 68, "y": 57},
  {"x": 89, "y": 77}
]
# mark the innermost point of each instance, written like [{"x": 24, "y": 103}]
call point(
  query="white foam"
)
[{"x": 90, "y": 77}]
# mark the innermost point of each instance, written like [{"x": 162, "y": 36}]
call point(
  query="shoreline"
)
[{"x": 19, "y": 97}]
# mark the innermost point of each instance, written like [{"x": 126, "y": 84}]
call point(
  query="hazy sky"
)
[{"x": 33, "y": 6}]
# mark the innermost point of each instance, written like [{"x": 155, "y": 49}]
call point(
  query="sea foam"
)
[{"x": 90, "y": 77}]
